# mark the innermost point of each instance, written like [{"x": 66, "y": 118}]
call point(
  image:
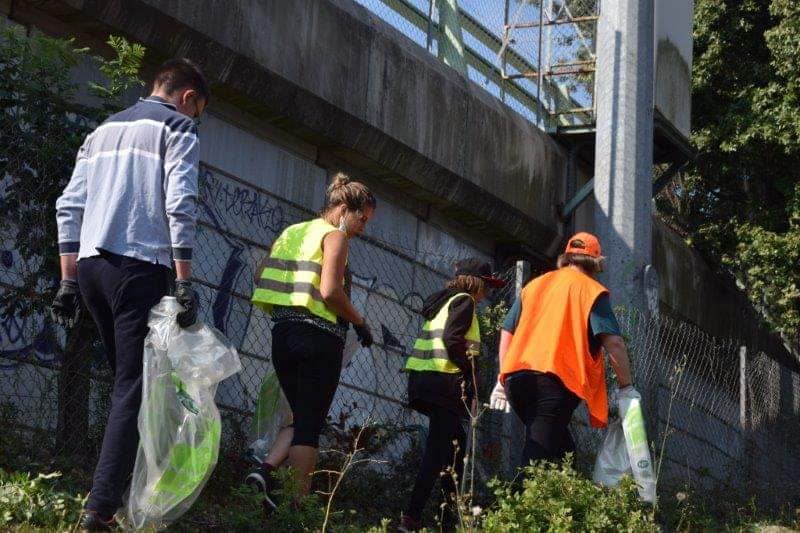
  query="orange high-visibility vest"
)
[{"x": 553, "y": 336}]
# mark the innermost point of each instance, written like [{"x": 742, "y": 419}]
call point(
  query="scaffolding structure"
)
[
  {"x": 561, "y": 36},
  {"x": 496, "y": 55}
]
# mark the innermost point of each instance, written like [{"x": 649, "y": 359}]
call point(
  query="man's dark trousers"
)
[{"x": 119, "y": 292}]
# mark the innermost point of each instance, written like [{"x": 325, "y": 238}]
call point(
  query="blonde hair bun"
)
[
  {"x": 343, "y": 190},
  {"x": 339, "y": 180}
]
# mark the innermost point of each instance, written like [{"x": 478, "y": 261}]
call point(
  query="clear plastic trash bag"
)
[
  {"x": 272, "y": 410},
  {"x": 625, "y": 449},
  {"x": 179, "y": 423},
  {"x": 271, "y": 414}
]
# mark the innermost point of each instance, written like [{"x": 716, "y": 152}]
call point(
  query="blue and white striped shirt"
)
[{"x": 133, "y": 191}]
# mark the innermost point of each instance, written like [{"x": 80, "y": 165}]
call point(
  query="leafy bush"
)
[
  {"x": 37, "y": 502},
  {"x": 43, "y": 123},
  {"x": 558, "y": 499},
  {"x": 295, "y": 513}
]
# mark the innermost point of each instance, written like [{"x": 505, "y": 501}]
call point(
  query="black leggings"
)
[
  {"x": 307, "y": 361},
  {"x": 444, "y": 428},
  {"x": 545, "y": 406}
]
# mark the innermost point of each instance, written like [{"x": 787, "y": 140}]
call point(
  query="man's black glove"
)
[
  {"x": 364, "y": 334},
  {"x": 66, "y": 308},
  {"x": 187, "y": 297}
]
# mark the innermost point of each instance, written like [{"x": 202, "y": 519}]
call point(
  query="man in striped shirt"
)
[{"x": 127, "y": 214}]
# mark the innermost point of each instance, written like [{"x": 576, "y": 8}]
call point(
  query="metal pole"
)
[
  {"x": 743, "y": 388},
  {"x": 539, "y": 106},
  {"x": 521, "y": 275},
  {"x": 512, "y": 426},
  {"x": 624, "y": 147},
  {"x": 552, "y": 98},
  {"x": 431, "y": 6},
  {"x": 451, "y": 40},
  {"x": 745, "y": 421},
  {"x": 507, "y": 35}
]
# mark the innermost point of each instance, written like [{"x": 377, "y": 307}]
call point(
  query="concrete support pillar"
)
[
  {"x": 451, "y": 40},
  {"x": 624, "y": 147}
]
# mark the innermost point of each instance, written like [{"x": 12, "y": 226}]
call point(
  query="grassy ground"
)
[
  {"x": 53, "y": 502},
  {"x": 43, "y": 493}
]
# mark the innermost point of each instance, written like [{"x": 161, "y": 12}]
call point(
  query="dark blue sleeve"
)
[
  {"x": 512, "y": 318},
  {"x": 602, "y": 320}
]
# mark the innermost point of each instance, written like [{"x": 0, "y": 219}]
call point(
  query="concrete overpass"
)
[{"x": 336, "y": 84}]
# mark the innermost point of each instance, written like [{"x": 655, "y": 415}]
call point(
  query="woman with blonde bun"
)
[{"x": 302, "y": 286}]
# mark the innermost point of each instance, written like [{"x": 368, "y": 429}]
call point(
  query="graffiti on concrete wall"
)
[
  {"x": 237, "y": 223},
  {"x": 21, "y": 338}
]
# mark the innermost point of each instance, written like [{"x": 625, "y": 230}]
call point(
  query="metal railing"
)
[{"x": 537, "y": 56}]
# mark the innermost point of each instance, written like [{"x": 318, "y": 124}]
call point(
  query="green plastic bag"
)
[
  {"x": 179, "y": 423},
  {"x": 625, "y": 450},
  {"x": 271, "y": 414}
]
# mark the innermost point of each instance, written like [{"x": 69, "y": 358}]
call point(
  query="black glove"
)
[
  {"x": 364, "y": 334},
  {"x": 187, "y": 297},
  {"x": 66, "y": 308}
]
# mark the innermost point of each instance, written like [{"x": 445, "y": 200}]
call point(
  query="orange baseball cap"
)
[{"x": 583, "y": 243}]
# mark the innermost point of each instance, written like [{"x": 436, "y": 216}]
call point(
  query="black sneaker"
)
[
  {"x": 261, "y": 481},
  {"x": 93, "y": 522}
]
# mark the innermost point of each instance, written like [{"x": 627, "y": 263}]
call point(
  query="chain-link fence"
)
[
  {"x": 537, "y": 56},
  {"x": 391, "y": 278},
  {"x": 719, "y": 418}
]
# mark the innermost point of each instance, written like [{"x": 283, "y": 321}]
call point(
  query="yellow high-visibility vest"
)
[
  {"x": 430, "y": 352},
  {"x": 293, "y": 271}
]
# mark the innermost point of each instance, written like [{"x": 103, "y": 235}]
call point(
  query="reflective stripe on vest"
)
[
  {"x": 430, "y": 353},
  {"x": 293, "y": 271}
]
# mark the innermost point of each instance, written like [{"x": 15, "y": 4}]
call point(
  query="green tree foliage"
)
[
  {"x": 42, "y": 128},
  {"x": 741, "y": 202},
  {"x": 122, "y": 72}
]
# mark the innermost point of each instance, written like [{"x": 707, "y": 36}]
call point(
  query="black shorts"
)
[{"x": 308, "y": 361}]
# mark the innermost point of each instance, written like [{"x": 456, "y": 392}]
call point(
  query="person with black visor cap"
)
[{"x": 442, "y": 370}]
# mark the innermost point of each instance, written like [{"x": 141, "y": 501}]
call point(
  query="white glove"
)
[{"x": 497, "y": 400}]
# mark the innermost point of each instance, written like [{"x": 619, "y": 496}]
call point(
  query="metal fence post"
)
[
  {"x": 74, "y": 392},
  {"x": 451, "y": 39},
  {"x": 743, "y": 389},
  {"x": 745, "y": 421},
  {"x": 511, "y": 424},
  {"x": 521, "y": 275}
]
